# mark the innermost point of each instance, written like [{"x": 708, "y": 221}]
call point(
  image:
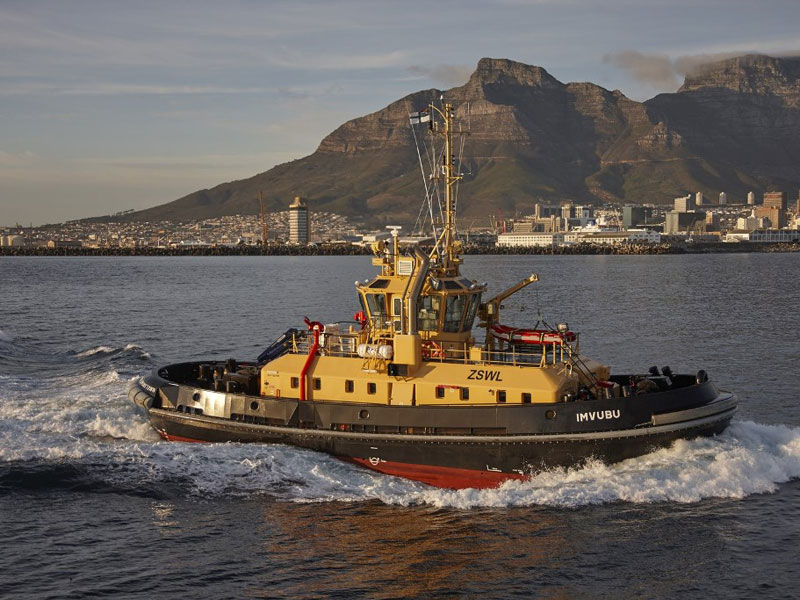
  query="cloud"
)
[
  {"x": 656, "y": 70},
  {"x": 662, "y": 72},
  {"x": 450, "y": 75},
  {"x": 116, "y": 89}
]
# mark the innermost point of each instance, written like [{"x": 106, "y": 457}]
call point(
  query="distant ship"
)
[{"x": 407, "y": 388}]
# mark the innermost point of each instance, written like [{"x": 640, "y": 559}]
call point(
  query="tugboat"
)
[{"x": 407, "y": 389}]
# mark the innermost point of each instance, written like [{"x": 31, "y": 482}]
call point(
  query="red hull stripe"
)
[
  {"x": 176, "y": 438},
  {"x": 444, "y": 477}
]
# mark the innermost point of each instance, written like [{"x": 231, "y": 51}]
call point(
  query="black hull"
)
[{"x": 453, "y": 447}]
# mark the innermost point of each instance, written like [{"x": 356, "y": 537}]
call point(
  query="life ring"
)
[{"x": 431, "y": 349}]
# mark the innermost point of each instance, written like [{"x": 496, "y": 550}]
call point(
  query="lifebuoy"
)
[{"x": 431, "y": 349}]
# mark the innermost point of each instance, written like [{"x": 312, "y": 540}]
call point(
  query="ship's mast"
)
[{"x": 446, "y": 245}]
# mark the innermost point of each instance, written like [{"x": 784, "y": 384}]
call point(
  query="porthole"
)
[
  {"x": 550, "y": 414},
  {"x": 363, "y": 414},
  {"x": 196, "y": 396},
  {"x": 254, "y": 405}
]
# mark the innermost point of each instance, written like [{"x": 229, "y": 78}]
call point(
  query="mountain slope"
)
[{"x": 732, "y": 126}]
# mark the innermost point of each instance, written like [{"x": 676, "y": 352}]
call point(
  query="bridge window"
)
[
  {"x": 372, "y": 388},
  {"x": 526, "y": 398},
  {"x": 377, "y": 308},
  {"x": 465, "y": 393},
  {"x": 317, "y": 383},
  {"x": 428, "y": 309},
  {"x": 348, "y": 386},
  {"x": 295, "y": 382},
  {"x": 501, "y": 396},
  {"x": 454, "y": 312},
  {"x": 474, "y": 301},
  {"x": 439, "y": 391}
]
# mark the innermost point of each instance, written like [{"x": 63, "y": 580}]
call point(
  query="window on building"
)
[{"x": 294, "y": 382}]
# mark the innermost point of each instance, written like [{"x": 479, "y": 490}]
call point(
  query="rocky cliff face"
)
[{"x": 732, "y": 126}]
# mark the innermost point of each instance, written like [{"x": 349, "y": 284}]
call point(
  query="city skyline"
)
[{"x": 109, "y": 107}]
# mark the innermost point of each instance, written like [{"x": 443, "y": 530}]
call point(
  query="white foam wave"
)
[
  {"x": 749, "y": 458},
  {"x": 109, "y": 350},
  {"x": 95, "y": 350}
]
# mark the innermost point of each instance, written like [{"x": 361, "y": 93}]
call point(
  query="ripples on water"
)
[{"x": 81, "y": 458}]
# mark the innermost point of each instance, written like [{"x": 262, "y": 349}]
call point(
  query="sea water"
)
[{"x": 93, "y": 503}]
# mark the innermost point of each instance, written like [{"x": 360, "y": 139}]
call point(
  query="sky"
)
[{"x": 112, "y": 105}]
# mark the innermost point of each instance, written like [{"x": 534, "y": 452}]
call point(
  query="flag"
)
[{"x": 420, "y": 117}]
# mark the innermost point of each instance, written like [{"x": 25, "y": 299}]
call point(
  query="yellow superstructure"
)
[{"x": 413, "y": 343}]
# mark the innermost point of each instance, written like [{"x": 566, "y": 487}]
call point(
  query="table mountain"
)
[{"x": 734, "y": 126}]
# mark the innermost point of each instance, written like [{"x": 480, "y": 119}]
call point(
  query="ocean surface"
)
[{"x": 93, "y": 504}]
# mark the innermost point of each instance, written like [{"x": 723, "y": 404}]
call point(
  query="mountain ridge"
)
[{"x": 732, "y": 126}]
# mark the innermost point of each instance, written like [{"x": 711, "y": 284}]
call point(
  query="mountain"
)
[{"x": 734, "y": 125}]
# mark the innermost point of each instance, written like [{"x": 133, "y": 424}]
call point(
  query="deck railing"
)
[{"x": 344, "y": 341}]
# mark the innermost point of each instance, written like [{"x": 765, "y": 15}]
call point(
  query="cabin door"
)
[{"x": 402, "y": 394}]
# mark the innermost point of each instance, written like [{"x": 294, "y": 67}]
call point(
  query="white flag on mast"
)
[{"x": 422, "y": 116}]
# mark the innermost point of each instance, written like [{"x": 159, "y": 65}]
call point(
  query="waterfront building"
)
[
  {"x": 522, "y": 240},
  {"x": 12, "y": 241},
  {"x": 298, "y": 222},
  {"x": 613, "y": 238},
  {"x": 684, "y": 204},
  {"x": 680, "y": 222},
  {"x": 774, "y": 236}
]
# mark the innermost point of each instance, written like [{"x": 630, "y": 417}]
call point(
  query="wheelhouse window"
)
[
  {"x": 474, "y": 302},
  {"x": 455, "y": 310},
  {"x": 377, "y": 308},
  {"x": 428, "y": 309}
]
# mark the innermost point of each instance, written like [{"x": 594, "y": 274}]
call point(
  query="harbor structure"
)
[{"x": 298, "y": 222}]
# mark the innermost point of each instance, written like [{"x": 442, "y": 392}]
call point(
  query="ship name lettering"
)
[
  {"x": 597, "y": 415},
  {"x": 484, "y": 375}
]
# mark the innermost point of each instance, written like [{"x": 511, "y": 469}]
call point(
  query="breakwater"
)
[{"x": 350, "y": 250}]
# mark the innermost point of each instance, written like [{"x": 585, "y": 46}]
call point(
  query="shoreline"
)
[{"x": 347, "y": 250}]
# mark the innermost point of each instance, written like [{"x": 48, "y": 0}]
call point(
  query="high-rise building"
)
[
  {"x": 298, "y": 222},
  {"x": 699, "y": 199},
  {"x": 723, "y": 198},
  {"x": 632, "y": 216},
  {"x": 684, "y": 203},
  {"x": 751, "y": 198},
  {"x": 775, "y": 200}
]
